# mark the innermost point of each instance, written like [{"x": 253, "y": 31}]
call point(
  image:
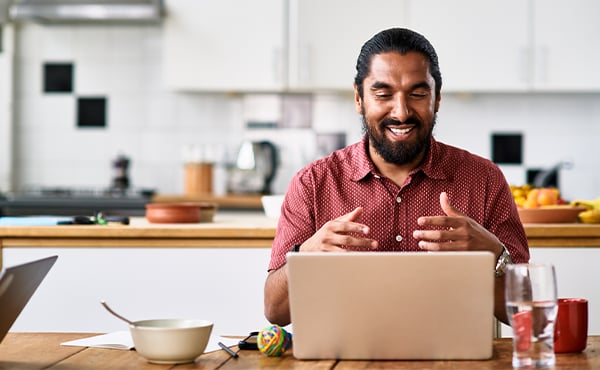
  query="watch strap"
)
[{"x": 502, "y": 262}]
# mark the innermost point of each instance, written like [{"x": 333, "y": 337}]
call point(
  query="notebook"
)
[
  {"x": 17, "y": 285},
  {"x": 391, "y": 305}
]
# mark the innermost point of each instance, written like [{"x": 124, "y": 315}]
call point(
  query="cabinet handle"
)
[
  {"x": 305, "y": 64},
  {"x": 543, "y": 64},
  {"x": 277, "y": 65},
  {"x": 526, "y": 65}
]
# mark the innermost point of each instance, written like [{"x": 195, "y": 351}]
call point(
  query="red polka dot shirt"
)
[{"x": 335, "y": 185}]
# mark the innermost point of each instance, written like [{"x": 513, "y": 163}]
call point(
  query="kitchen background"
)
[
  {"x": 153, "y": 123},
  {"x": 213, "y": 73}
]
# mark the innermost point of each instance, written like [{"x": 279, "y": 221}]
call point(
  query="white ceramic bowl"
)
[
  {"x": 272, "y": 205},
  {"x": 170, "y": 341}
]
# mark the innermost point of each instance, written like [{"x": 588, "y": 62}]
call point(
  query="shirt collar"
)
[{"x": 433, "y": 165}]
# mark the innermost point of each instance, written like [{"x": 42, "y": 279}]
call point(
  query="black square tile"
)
[
  {"x": 58, "y": 77},
  {"x": 91, "y": 112},
  {"x": 507, "y": 148}
]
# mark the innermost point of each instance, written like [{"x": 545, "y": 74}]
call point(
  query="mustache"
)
[{"x": 395, "y": 122}]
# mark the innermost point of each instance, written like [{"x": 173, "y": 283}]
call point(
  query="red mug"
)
[{"x": 571, "y": 325}]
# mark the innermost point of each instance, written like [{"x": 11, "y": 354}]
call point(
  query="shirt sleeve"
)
[
  {"x": 503, "y": 219},
  {"x": 296, "y": 222}
]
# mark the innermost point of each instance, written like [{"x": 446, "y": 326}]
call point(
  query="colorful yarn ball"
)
[{"x": 274, "y": 340}]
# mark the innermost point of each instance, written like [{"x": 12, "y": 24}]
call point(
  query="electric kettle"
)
[{"x": 254, "y": 168}]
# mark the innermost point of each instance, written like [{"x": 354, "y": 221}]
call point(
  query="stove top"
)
[
  {"x": 78, "y": 193},
  {"x": 75, "y": 201}
]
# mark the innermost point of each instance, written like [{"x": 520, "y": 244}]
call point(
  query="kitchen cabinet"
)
[
  {"x": 512, "y": 45},
  {"x": 477, "y": 48},
  {"x": 225, "y": 45},
  {"x": 312, "y": 45},
  {"x": 326, "y": 36},
  {"x": 270, "y": 45},
  {"x": 565, "y": 53}
]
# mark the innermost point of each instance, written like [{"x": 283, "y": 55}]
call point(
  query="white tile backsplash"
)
[{"x": 151, "y": 124}]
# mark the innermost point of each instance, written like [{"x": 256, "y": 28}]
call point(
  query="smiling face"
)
[{"x": 398, "y": 107}]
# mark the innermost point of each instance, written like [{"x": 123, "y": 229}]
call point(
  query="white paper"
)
[
  {"x": 116, "y": 340},
  {"x": 122, "y": 340}
]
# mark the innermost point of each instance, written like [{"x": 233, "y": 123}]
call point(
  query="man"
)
[{"x": 398, "y": 189}]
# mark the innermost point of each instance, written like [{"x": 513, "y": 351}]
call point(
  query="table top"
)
[{"x": 43, "y": 350}]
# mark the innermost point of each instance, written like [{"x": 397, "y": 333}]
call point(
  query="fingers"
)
[
  {"x": 341, "y": 232},
  {"x": 345, "y": 223},
  {"x": 434, "y": 246}
]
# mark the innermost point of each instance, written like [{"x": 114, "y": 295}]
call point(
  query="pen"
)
[{"x": 228, "y": 350}]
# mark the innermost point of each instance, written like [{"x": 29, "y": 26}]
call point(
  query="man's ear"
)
[
  {"x": 438, "y": 98},
  {"x": 357, "y": 100}
]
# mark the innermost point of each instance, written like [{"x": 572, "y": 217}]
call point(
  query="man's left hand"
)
[{"x": 462, "y": 232}]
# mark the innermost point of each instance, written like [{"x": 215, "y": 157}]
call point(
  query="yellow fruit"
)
[
  {"x": 591, "y": 216},
  {"x": 589, "y": 204}
]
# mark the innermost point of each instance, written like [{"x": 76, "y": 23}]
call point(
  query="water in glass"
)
[{"x": 533, "y": 328}]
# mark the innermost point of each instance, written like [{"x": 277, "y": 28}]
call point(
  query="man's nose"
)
[{"x": 401, "y": 108}]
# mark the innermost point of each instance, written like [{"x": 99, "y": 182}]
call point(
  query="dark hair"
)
[{"x": 400, "y": 40}]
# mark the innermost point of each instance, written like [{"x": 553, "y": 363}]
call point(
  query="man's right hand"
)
[{"x": 335, "y": 233}]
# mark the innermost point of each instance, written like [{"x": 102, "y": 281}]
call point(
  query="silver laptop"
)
[
  {"x": 392, "y": 305},
  {"x": 17, "y": 285}
]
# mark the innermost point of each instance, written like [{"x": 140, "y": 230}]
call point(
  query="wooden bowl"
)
[
  {"x": 550, "y": 214},
  {"x": 165, "y": 213},
  {"x": 207, "y": 211}
]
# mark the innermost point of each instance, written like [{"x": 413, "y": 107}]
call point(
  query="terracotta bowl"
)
[
  {"x": 550, "y": 214},
  {"x": 173, "y": 212}
]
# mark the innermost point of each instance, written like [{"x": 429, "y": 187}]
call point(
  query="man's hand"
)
[
  {"x": 462, "y": 232},
  {"x": 336, "y": 233}
]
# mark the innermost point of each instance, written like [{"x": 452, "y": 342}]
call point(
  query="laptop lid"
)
[
  {"x": 17, "y": 285},
  {"x": 382, "y": 305}
]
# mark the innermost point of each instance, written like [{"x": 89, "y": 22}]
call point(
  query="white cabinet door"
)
[
  {"x": 225, "y": 45},
  {"x": 326, "y": 37},
  {"x": 481, "y": 45},
  {"x": 565, "y": 34}
]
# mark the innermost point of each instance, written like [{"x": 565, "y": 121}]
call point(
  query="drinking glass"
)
[{"x": 531, "y": 305}]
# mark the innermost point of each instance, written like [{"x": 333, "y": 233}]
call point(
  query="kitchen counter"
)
[
  {"x": 563, "y": 235},
  {"x": 243, "y": 229},
  {"x": 228, "y": 230}
]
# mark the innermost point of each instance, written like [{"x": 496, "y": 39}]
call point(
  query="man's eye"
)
[
  {"x": 418, "y": 94},
  {"x": 382, "y": 96}
]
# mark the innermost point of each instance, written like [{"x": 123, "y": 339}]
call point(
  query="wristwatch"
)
[{"x": 503, "y": 260}]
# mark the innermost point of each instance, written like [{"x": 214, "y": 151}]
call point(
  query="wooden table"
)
[{"x": 43, "y": 350}]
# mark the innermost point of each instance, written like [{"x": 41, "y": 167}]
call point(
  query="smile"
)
[{"x": 398, "y": 131}]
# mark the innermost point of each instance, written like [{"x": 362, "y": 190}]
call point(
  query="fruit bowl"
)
[{"x": 550, "y": 214}]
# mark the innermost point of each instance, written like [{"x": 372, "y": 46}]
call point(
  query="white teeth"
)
[{"x": 398, "y": 131}]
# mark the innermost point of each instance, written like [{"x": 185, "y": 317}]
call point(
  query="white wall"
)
[
  {"x": 6, "y": 104},
  {"x": 151, "y": 124}
]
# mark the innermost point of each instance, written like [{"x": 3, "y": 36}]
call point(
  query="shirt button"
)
[
  {"x": 398, "y": 199},
  {"x": 398, "y": 238}
]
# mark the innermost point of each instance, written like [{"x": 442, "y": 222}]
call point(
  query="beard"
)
[{"x": 397, "y": 152}]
